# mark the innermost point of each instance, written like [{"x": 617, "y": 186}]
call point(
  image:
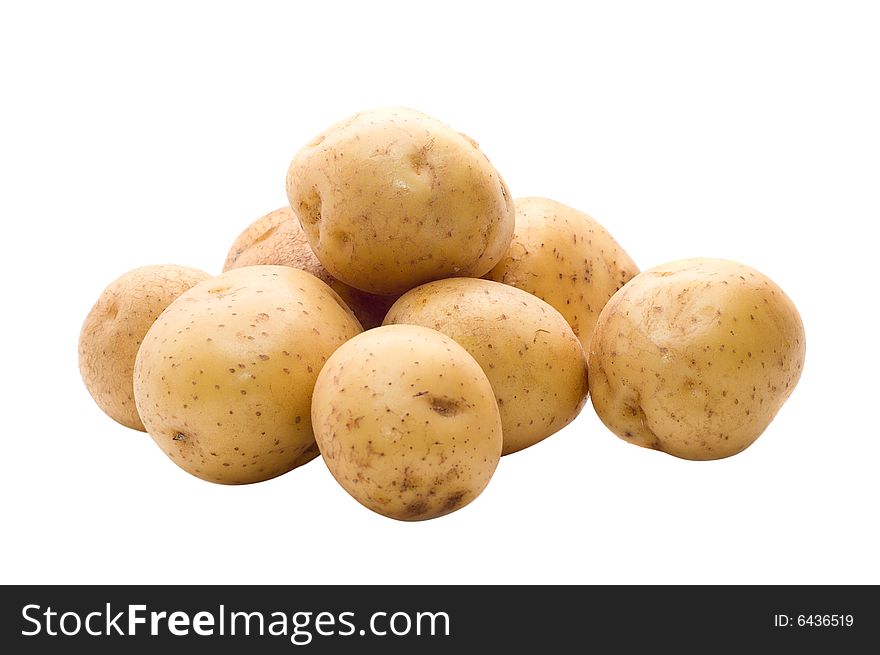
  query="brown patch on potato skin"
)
[
  {"x": 277, "y": 238},
  {"x": 695, "y": 358},
  {"x": 415, "y": 510},
  {"x": 115, "y": 327},
  {"x": 445, "y": 406},
  {"x": 454, "y": 499}
]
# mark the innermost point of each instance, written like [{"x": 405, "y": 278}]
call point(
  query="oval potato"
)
[
  {"x": 392, "y": 198},
  {"x": 224, "y": 378},
  {"x": 695, "y": 358}
]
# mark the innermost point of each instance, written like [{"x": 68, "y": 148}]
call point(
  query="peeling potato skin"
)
[
  {"x": 392, "y": 198},
  {"x": 223, "y": 380},
  {"x": 533, "y": 360},
  {"x": 567, "y": 259},
  {"x": 116, "y": 325},
  {"x": 278, "y": 239},
  {"x": 407, "y": 422},
  {"x": 695, "y": 358}
]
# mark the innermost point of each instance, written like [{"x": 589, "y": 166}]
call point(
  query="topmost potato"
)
[{"x": 392, "y": 198}]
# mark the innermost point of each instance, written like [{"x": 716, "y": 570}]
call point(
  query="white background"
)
[{"x": 147, "y": 133}]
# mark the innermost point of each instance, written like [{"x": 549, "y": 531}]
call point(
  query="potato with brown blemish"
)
[
  {"x": 277, "y": 238},
  {"x": 392, "y": 198},
  {"x": 223, "y": 380},
  {"x": 534, "y": 362},
  {"x": 566, "y": 258},
  {"x": 115, "y": 327},
  {"x": 695, "y": 358},
  {"x": 407, "y": 422}
]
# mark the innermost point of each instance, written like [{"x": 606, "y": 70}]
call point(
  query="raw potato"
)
[
  {"x": 533, "y": 360},
  {"x": 695, "y": 358},
  {"x": 567, "y": 259},
  {"x": 406, "y": 422},
  {"x": 115, "y": 327},
  {"x": 278, "y": 238},
  {"x": 224, "y": 378},
  {"x": 392, "y": 198}
]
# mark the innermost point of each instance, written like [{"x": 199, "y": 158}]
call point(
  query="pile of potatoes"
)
[{"x": 410, "y": 322}]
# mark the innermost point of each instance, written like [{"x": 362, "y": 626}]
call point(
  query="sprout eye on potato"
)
[
  {"x": 407, "y": 422},
  {"x": 277, "y": 238},
  {"x": 223, "y": 380},
  {"x": 392, "y": 198},
  {"x": 695, "y": 358},
  {"x": 533, "y": 360},
  {"x": 116, "y": 325}
]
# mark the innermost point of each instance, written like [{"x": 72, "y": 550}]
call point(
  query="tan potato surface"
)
[
  {"x": 566, "y": 258},
  {"x": 533, "y": 360},
  {"x": 277, "y": 238},
  {"x": 116, "y": 325},
  {"x": 224, "y": 378},
  {"x": 407, "y": 422},
  {"x": 695, "y": 358},
  {"x": 392, "y": 198}
]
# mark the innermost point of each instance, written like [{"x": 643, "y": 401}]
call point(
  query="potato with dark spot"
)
[
  {"x": 392, "y": 198},
  {"x": 115, "y": 327},
  {"x": 535, "y": 363},
  {"x": 566, "y": 258},
  {"x": 223, "y": 380},
  {"x": 695, "y": 358},
  {"x": 277, "y": 238},
  {"x": 407, "y": 422}
]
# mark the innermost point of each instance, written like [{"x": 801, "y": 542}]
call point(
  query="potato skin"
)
[
  {"x": 274, "y": 239},
  {"x": 392, "y": 198},
  {"x": 116, "y": 325},
  {"x": 277, "y": 238},
  {"x": 406, "y": 422},
  {"x": 534, "y": 362},
  {"x": 224, "y": 378},
  {"x": 695, "y": 358},
  {"x": 566, "y": 258}
]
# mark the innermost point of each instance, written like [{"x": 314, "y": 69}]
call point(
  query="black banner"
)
[{"x": 419, "y": 619}]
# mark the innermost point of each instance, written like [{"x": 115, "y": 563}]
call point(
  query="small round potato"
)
[
  {"x": 695, "y": 358},
  {"x": 277, "y": 238},
  {"x": 392, "y": 198},
  {"x": 407, "y": 422},
  {"x": 533, "y": 360},
  {"x": 567, "y": 259},
  {"x": 223, "y": 380},
  {"x": 115, "y": 327}
]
